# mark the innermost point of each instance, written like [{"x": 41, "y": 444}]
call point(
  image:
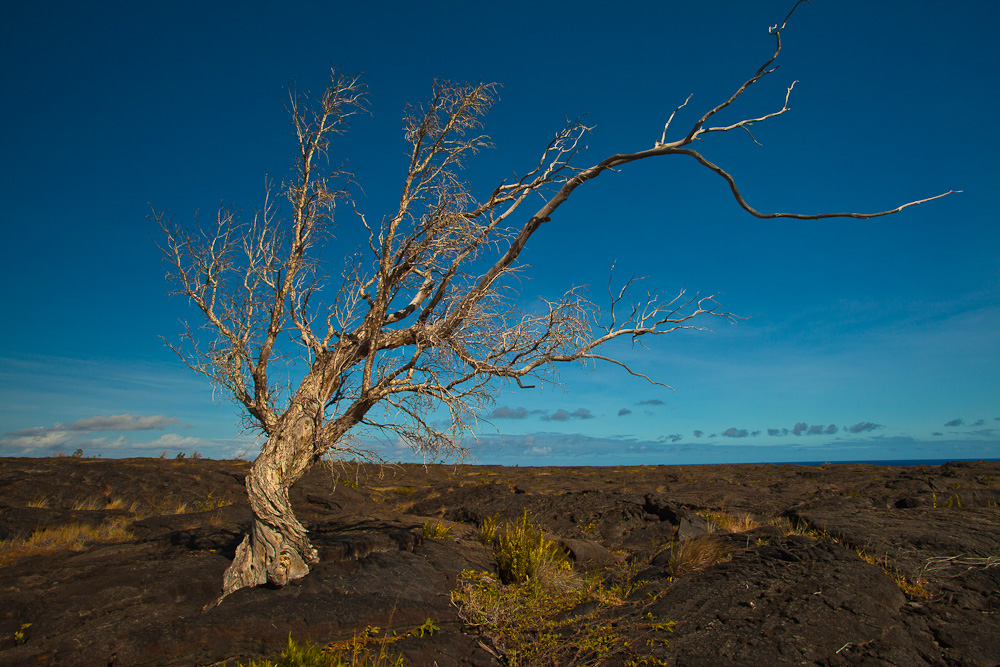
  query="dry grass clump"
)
[
  {"x": 697, "y": 554},
  {"x": 73, "y": 537},
  {"x": 910, "y": 587},
  {"x": 89, "y": 505},
  {"x": 733, "y": 523}
]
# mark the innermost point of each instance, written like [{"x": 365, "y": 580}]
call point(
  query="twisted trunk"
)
[{"x": 276, "y": 549}]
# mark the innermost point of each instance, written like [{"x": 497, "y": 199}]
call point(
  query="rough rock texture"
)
[{"x": 823, "y": 594}]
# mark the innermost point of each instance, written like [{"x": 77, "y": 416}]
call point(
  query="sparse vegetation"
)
[
  {"x": 72, "y": 536},
  {"x": 733, "y": 523},
  {"x": 369, "y": 648},
  {"x": 19, "y": 637},
  {"x": 532, "y": 623},
  {"x": 697, "y": 554},
  {"x": 307, "y": 654},
  {"x": 89, "y": 505},
  {"x": 523, "y": 553},
  {"x": 210, "y": 503},
  {"x": 438, "y": 531},
  {"x": 538, "y": 611},
  {"x": 488, "y": 530},
  {"x": 912, "y": 588}
]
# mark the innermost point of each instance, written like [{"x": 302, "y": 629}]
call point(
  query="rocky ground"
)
[{"x": 827, "y": 565}]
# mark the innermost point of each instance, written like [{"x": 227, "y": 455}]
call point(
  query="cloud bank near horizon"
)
[
  {"x": 569, "y": 449},
  {"x": 83, "y": 435}
]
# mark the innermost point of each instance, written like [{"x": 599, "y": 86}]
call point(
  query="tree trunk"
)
[{"x": 276, "y": 550}]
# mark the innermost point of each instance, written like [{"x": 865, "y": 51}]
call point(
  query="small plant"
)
[
  {"x": 697, "y": 554},
  {"x": 122, "y": 504},
  {"x": 78, "y": 454},
  {"x": 307, "y": 654},
  {"x": 90, "y": 504},
  {"x": 19, "y": 634},
  {"x": 523, "y": 553},
  {"x": 428, "y": 627},
  {"x": 911, "y": 588},
  {"x": 41, "y": 502},
  {"x": 403, "y": 490},
  {"x": 733, "y": 523},
  {"x": 180, "y": 456},
  {"x": 488, "y": 530},
  {"x": 438, "y": 531},
  {"x": 620, "y": 581},
  {"x": 950, "y": 502},
  {"x": 532, "y": 623},
  {"x": 210, "y": 503}
]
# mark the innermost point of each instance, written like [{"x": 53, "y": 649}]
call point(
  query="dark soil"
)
[{"x": 887, "y": 566}]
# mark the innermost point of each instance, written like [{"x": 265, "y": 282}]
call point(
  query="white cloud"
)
[
  {"x": 172, "y": 441},
  {"x": 122, "y": 423}
]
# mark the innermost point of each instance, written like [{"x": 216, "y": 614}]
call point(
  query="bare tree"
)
[{"x": 424, "y": 318}]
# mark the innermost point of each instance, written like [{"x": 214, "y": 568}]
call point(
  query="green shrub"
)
[
  {"x": 537, "y": 612},
  {"x": 306, "y": 654},
  {"x": 523, "y": 553},
  {"x": 532, "y": 624},
  {"x": 536, "y": 625},
  {"x": 438, "y": 531},
  {"x": 488, "y": 530}
]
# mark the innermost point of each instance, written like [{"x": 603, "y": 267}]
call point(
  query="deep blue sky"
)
[{"x": 872, "y": 339}]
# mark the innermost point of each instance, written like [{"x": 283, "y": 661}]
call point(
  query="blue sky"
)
[{"x": 869, "y": 339}]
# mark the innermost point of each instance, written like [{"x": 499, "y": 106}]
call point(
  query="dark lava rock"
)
[{"x": 828, "y": 576}]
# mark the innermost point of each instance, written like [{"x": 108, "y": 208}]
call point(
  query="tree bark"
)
[{"x": 276, "y": 549}]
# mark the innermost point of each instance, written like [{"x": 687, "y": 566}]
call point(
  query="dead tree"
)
[{"x": 424, "y": 318}]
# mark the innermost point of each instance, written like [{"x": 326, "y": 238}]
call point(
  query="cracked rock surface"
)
[{"x": 838, "y": 564}]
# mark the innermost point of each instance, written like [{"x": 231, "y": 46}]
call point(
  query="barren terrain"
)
[{"x": 817, "y": 565}]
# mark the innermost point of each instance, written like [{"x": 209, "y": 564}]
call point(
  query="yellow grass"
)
[
  {"x": 88, "y": 505},
  {"x": 733, "y": 523},
  {"x": 697, "y": 554},
  {"x": 911, "y": 588},
  {"x": 122, "y": 504},
  {"x": 72, "y": 536}
]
